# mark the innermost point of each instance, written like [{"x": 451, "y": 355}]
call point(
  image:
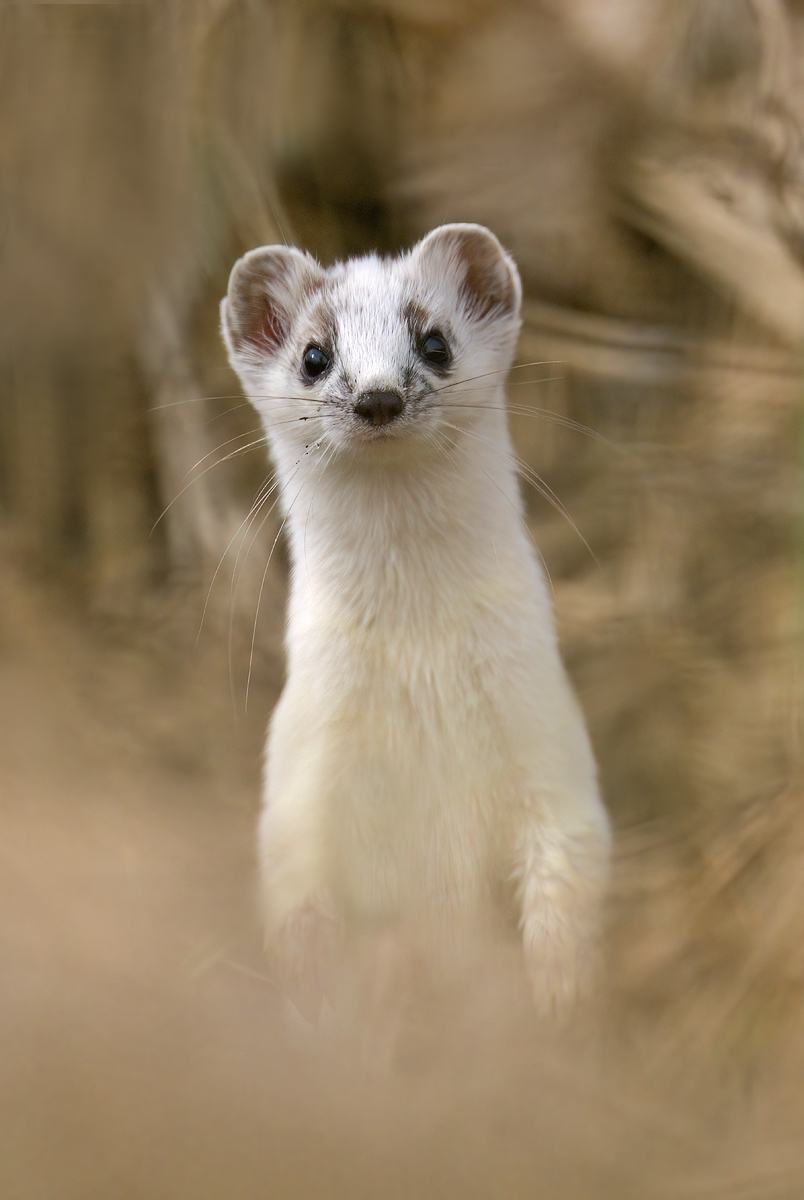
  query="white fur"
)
[{"x": 427, "y": 754}]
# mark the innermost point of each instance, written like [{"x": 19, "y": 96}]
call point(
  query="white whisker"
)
[
  {"x": 545, "y": 362},
  {"x": 311, "y": 447},
  {"x": 189, "y": 484},
  {"x": 456, "y": 446},
  {"x": 231, "y": 396},
  {"x": 324, "y": 464},
  {"x": 527, "y": 410},
  {"x": 256, "y": 504},
  {"x": 235, "y": 583},
  {"x": 221, "y": 446},
  {"x": 536, "y": 481}
]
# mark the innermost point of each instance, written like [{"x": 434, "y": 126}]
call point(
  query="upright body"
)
[{"x": 427, "y": 757}]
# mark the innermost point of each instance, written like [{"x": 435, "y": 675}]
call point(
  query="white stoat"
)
[{"x": 427, "y": 756}]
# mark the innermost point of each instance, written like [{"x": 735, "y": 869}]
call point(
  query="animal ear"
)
[
  {"x": 487, "y": 276},
  {"x": 266, "y": 287}
]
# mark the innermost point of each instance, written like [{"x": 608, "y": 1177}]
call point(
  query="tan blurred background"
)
[{"x": 644, "y": 162}]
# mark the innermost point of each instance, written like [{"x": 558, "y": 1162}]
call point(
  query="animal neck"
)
[{"x": 372, "y": 534}]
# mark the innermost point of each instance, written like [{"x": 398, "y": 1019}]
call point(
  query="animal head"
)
[{"x": 373, "y": 350}]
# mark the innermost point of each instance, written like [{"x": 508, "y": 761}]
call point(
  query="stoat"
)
[{"x": 427, "y": 757}]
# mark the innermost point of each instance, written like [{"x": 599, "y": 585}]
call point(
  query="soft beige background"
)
[{"x": 644, "y": 162}]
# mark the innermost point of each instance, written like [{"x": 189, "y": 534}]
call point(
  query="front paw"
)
[
  {"x": 559, "y": 968},
  {"x": 561, "y": 883},
  {"x": 306, "y": 953}
]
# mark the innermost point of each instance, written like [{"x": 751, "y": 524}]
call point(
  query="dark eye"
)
[
  {"x": 315, "y": 362},
  {"x": 434, "y": 350}
]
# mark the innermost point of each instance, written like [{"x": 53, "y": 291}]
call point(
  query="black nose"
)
[{"x": 380, "y": 408}]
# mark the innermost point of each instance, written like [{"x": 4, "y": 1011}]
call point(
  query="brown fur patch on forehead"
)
[
  {"x": 320, "y": 324},
  {"x": 417, "y": 318},
  {"x": 420, "y": 322}
]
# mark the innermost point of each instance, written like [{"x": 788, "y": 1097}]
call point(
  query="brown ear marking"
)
[
  {"x": 265, "y": 287},
  {"x": 490, "y": 281}
]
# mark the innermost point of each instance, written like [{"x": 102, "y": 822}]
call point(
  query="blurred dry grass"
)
[{"x": 644, "y": 162}]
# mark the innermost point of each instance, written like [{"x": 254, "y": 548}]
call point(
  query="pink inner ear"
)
[
  {"x": 257, "y": 317},
  {"x": 268, "y": 331},
  {"x": 487, "y": 284}
]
